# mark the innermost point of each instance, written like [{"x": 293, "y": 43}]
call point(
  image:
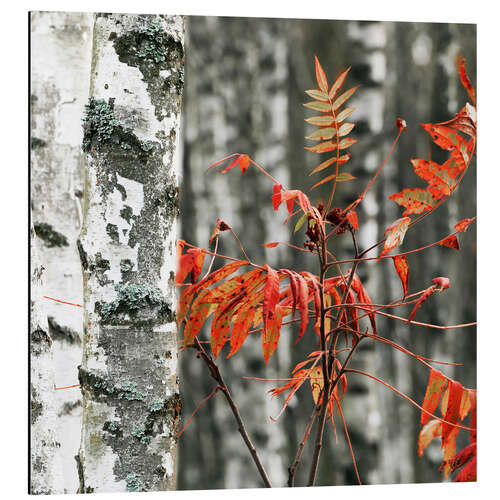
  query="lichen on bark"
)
[{"x": 131, "y": 124}]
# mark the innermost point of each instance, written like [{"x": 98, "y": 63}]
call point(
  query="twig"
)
[
  {"x": 216, "y": 375},
  {"x": 293, "y": 468}
]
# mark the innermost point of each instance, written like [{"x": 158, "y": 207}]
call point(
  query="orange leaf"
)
[
  {"x": 401, "y": 265},
  {"x": 303, "y": 296},
  {"x": 452, "y": 411},
  {"x": 271, "y": 297},
  {"x": 200, "y": 310},
  {"x": 450, "y": 241},
  {"x": 435, "y": 386},
  {"x": 469, "y": 472},
  {"x": 244, "y": 163},
  {"x": 352, "y": 217},
  {"x": 414, "y": 200},
  {"x": 473, "y": 415},
  {"x": 271, "y": 334},
  {"x": 463, "y": 224},
  {"x": 272, "y": 244},
  {"x": 464, "y": 78}
]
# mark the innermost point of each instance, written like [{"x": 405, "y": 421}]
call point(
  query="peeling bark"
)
[
  {"x": 45, "y": 472},
  {"x": 128, "y": 375}
]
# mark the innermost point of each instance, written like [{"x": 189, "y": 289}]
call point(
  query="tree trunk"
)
[
  {"x": 128, "y": 375},
  {"x": 61, "y": 44},
  {"x": 45, "y": 471}
]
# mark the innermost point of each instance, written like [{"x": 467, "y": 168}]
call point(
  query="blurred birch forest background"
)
[
  {"x": 245, "y": 82},
  {"x": 244, "y": 88}
]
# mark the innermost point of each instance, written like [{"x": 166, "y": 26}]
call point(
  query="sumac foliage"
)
[{"x": 331, "y": 309}]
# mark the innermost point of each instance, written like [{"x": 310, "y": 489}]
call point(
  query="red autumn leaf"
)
[
  {"x": 199, "y": 257},
  {"x": 450, "y": 241},
  {"x": 221, "y": 324},
  {"x": 271, "y": 297},
  {"x": 433, "y": 393},
  {"x": 363, "y": 298},
  {"x": 219, "y": 227},
  {"x": 463, "y": 224},
  {"x": 414, "y": 200},
  {"x": 320, "y": 76},
  {"x": 272, "y": 244},
  {"x": 429, "y": 431},
  {"x": 442, "y": 282},
  {"x": 397, "y": 231},
  {"x": 452, "y": 410},
  {"x": 440, "y": 183},
  {"x": 243, "y": 322},
  {"x": 233, "y": 164},
  {"x": 200, "y": 310},
  {"x": 425, "y": 295},
  {"x": 189, "y": 292},
  {"x": 473, "y": 415},
  {"x": 303, "y": 297},
  {"x": 277, "y": 196},
  {"x": 464, "y": 78},
  {"x": 190, "y": 262},
  {"x": 271, "y": 334},
  {"x": 462, "y": 457},
  {"x": 292, "y": 275},
  {"x": 469, "y": 472},
  {"x": 445, "y": 137},
  {"x": 302, "y": 200},
  {"x": 401, "y": 265},
  {"x": 244, "y": 163},
  {"x": 352, "y": 217},
  {"x": 316, "y": 292}
]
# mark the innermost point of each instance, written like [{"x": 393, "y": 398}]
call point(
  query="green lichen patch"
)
[
  {"x": 128, "y": 390},
  {"x": 134, "y": 483},
  {"x": 153, "y": 50},
  {"x": 50, "y": 236},
  {"x": 99, "y": 122},
  {"x": 113, "y": 427},
  {"x": 137, "y": 302}
]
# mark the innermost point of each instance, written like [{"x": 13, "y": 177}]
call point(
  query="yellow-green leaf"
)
[
  {"x": 344, "y": 114},
  {"x": 300, "y": 223},
  {"x": 318, "y": 106},
  {"x": 322, "y": 134},
  {"x": 342, "y": 177},
  {"x": 317, "y": 94},
  {"x": 345, "y": 128},
  {"x": 320, "y": 76},
  {"x": 327, "y": 163},
  {"x": 343, "y": 98},
  {"x": 338, "y": 83},
  {"x": 321, "y": 120}
]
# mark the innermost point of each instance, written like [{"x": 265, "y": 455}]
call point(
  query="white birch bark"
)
[
  {"x": 45, "y": 467},
  {"x": 61, "y": 45},
  {"x": 129, "y": 370}
]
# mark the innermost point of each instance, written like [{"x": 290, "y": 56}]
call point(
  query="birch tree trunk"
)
[
  {"x": 45, "y": 471},
  {"x": 128, "y": 375},
  {"x": 61, "y": 46}
]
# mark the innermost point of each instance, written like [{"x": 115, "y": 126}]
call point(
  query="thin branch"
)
[
  {"x": 217, "y": 376},
  {"x": 197, "y": 408},
  {"x": 293, "y": 468}
]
